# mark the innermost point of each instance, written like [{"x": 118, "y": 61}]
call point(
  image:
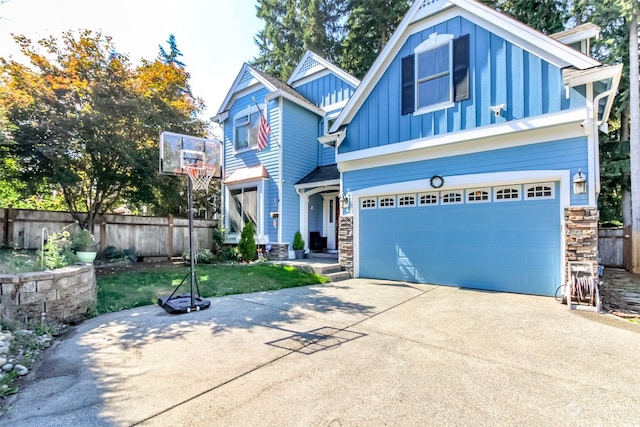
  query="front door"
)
[{"x": 330, "y": 206}]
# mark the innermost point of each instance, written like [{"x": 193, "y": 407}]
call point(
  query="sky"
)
[{"x": 214, "y": 36}]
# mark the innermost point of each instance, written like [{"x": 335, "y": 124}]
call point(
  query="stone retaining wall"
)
[{"x": 64, "y": 295}]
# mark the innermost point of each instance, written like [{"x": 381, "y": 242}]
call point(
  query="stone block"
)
[
  {"x": 27, "y": 287},
  {"x": 9, "y": 278},
  {"x": 44, "y": 285},
  {"x": 8, "y": 288}
]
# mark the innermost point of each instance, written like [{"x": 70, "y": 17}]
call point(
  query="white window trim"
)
[
  {"x": 432, "y": 193},
  {"x": 325, "y": 121},
  {"x": 434, "y": 41},
  {"x": 540, "y": 184},
  {"x": 259, "y": 184},
  {"x": 402, "y": 196},
  {"x": 473, "y": 190},
  {"x": 380, "y": 198},
  {"x": 508, "y": 187},
  {"x": 246, "y": 112}
]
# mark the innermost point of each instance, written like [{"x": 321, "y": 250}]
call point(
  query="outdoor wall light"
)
[
  {"x": 345, "y": 199},
  {"x": 497, "y": 109},
  {"x": 579, "y": 183}
]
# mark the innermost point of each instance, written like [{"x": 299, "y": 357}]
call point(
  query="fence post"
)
[
  {"x": 8, "y": 225},
  {"x": 103, "y": 234},
  {"x": 170, "y": 238}
]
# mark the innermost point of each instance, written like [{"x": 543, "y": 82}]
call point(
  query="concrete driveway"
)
[{"x": 357, "y": 352}]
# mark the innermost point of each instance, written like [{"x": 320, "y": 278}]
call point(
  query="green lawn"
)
[{"x": 129, "y": 289}]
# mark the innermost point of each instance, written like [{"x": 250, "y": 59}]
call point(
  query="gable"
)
[{"x": 321, "y": 82}]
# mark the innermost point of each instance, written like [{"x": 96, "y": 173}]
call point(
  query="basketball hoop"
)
[{"x": 201, "y": 175}]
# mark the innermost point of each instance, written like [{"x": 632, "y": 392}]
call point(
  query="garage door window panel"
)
[
  {"x": 406, "y": 201},
  {"x": 540, "y": 191},
  {"x": 387, "y": 202},
  {"x": 482, "y": 195},
  {"x": 428, "y": 199},
  {"x": 507, "y": 194},
  {"x": 452, "y": 198},
  {"x": 369, "y": 203}
]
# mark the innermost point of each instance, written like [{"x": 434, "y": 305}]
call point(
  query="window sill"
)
[
  {"x": 433, "y": 108},
  {"x": 243, "y": 150}
]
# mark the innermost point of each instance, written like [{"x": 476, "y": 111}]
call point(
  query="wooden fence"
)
[
  {"x": 146, "y": 236},
  {"x": 614, "y": 247}
]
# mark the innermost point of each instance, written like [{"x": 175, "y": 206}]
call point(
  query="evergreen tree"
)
[
  {"x": 546, "y": 16},
  {"x": 172, "y": 56},
  {"x": 369, "y": 26},
  {"x": 293, "y": 26}
]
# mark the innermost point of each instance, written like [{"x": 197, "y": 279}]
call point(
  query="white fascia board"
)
[
  {"x": 573, "y": 78},
  {"x": 329, "y": 183},
  {"x": 515, "y": 32},
  {"x": 511, "y": 134},
  {"x": 237, "y": 88},
  {"x": 307, "y": 105}
]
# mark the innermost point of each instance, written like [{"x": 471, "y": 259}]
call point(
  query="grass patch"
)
[{"x": 129, "y": 289}]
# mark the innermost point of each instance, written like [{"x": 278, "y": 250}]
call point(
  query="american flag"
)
[{"x": 263, "y": 133}]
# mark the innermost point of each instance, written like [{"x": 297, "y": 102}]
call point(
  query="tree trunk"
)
[{"x": 634, "y": 140}]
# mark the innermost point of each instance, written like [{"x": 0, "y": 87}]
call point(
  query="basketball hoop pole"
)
[{"x": 192, "y": 252}]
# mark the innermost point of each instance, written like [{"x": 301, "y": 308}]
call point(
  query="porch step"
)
[{"x": 333, "y": 271}]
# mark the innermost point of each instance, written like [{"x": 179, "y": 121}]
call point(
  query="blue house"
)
[
  {"x": 468, "y": 154},
  {"x": 293, "y": 183}
]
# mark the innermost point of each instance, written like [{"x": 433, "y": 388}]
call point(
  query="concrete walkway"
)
[{"x": 357, "y": 352}]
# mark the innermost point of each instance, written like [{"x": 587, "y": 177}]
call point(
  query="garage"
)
[{"x": 503, "y": 238}]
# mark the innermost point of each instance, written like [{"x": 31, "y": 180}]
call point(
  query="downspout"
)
[{"x": 596, "y": 125}]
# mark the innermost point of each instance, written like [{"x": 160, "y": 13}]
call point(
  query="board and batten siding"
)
[
  {"x": 299, "y": 157},
  {"x": 561, "y": 155},
  {"x": 326, "y": 90},
  {"x": 500, "y": 72}
]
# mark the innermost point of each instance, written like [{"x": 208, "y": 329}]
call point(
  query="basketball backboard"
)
[{"x": 177, "y": 151}]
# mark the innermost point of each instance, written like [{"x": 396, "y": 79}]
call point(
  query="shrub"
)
[
  {"x": 219, "y": 236},
  {"x": 247, "y": 244},
  {"x": 57, "y": 253},
  {"x": 203, "y": 256},
  {"x": 298, "y": 243},
  {"x": 83, "y": 240}
]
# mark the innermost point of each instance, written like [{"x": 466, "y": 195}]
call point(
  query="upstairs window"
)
[
  {"x": 245, "y": 129},
  {"x": 436, "y": 75}
]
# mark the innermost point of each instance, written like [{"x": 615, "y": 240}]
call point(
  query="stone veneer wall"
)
[
  {"x": 65, "y": 294},
  {"x": 581, "y": 235},
  {"x": 278, "y": 252},
  {"x": 345, "y": 243}
]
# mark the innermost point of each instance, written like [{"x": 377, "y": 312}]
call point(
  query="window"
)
[
  {"x": 505, "y": 194},
  {"x": 428, "y": 199},
  {"x": 245, "y": 129},
  {"x": 243, "y": 208},
  {"x": 478, "y": 196},
  {"x": 387, "y": 202},
  {"x": 451, "y": 198},
  {"x": 540, "y": 191},
  {"x": 407, "y": 200},
  {"x": 368, "y": 203},
  {"x": 436, "y": 75}
]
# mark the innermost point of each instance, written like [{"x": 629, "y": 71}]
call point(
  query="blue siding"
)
[
  {"x": 565, "y": 154},
  {"x": 500, "y": 73},
  {"x": 268, "y": 157},
  {"x": 326, "y": 90},
  {"x": 300, "y": 156},
  {"x": 327, "y": 155}
]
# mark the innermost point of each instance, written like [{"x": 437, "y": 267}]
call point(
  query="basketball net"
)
[{"x": 200, "y": 175}]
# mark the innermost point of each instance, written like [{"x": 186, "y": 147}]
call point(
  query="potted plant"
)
[
  {"x": 298, "y": 245},
  {"x": 85, "y": 246}
]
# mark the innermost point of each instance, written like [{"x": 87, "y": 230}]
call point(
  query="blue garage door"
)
[{"x": 498, "y": 238}]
